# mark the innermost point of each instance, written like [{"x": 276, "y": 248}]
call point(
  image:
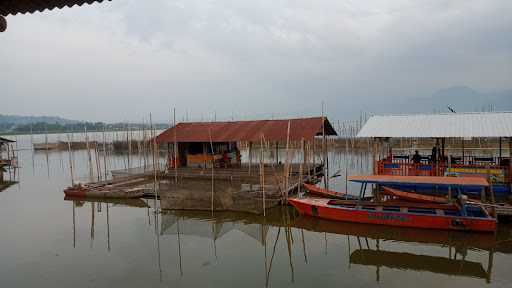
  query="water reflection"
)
[{"x": 282, "y": 235}]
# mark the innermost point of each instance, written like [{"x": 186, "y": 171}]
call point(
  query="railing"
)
[{"x": 472, "y": 166}]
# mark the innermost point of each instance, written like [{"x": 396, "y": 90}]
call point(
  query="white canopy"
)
[{"x": 453, "y": 125}]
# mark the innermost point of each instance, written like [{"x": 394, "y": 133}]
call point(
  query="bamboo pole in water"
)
[
  {"x": 213, "y": 165},
  {"x": 287, "y": 165},
  {"x": 262, "y": 172},
  {"x": 154, "y": 150},
  {"x": 71, "y": 162},
  {"x": 89, "y": 157},
  {"x": 104, "y": 156},
  {"x": 301, "y": 168}
]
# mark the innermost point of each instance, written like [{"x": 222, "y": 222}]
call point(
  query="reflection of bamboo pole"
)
[
  {"x": 272, "y": 257},
  {"x": 304, "y": 246},
  {"x": 92, "y": 223},
  {"x": 157, "y": 234},
  {"x": 179, "y": 246},
  {"x": 108, "y": 228},
  {"x": 74, "y": 225}
]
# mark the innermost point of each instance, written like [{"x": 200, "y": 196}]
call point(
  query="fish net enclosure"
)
[{"x": 227, "y": 195}]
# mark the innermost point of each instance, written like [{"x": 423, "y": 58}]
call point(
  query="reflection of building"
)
[
  {"x": 200, "y": 224},
  {"x": 415, "y": 262}
]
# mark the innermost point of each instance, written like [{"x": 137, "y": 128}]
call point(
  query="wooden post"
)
[
  {"x": 463, "y": 158},
  {"x": 176, "y": 161},
  {"x": 277, "y": 152},
  {"x": 262, "y": 173},
  {"x": 374, "y": 156},
  {"x": 500, "y": 155},
  {"x": 250, "y": 157}
]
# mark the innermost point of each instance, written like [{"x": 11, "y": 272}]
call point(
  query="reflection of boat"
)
[
  {"x": 501, "y": 242},
  {"x": 312, "y": 189},
  {"x": 403, "y": 214},
  {"x": 139, "y": 203},
  {"x": 104, "y": 192},
  {"x": 408, "y": 261},
  {"x": 413, "y": 197}
]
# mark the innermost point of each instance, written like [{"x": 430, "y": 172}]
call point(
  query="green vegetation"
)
[{"x": 43, "y": 127}]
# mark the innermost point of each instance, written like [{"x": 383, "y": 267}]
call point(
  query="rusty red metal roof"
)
[
  {"x": 13, "y": 7},
  {"x": 270, "y": 130},
  {"x": 431, "y": 180}
]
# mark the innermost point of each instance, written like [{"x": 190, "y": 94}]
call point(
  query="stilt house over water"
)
[
  {"x": 7, "y": 157},
  {"x": 448, "y": 154},
  {"x": 203, "y": 143}
]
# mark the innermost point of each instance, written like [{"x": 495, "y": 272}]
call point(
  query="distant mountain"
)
[
  {"x": 461, "y": 99},
  {"x": 22, "y": 120}
]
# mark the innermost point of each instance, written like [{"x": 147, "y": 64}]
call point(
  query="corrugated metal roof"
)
[
  {"x": 13, "y": 7},
  {"x": 454, "y": 125},
  {"x": 271, "y": 130}
]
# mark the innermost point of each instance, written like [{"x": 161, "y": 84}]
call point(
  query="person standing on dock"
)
[
  {"x": 416, "y": 158},
  {"x": 433, "y": 157}
]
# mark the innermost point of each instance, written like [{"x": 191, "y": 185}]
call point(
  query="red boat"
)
[
  {"x": 413, "y": 197},
  {"x": 403, "y": 214},
  {"x": 312, "y": 189}
]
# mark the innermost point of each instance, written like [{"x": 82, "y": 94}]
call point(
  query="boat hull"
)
[
  {"x": 413, "y": 197},
  {"x": 314, "y": 190},
  {"x": 321, "y": 209},
  {"x": 116, "y": 194}
]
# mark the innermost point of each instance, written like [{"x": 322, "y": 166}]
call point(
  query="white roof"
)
[{"x": 453, "y": 125}]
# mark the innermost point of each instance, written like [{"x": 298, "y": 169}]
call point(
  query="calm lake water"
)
[{"x": 51, "y": 242}]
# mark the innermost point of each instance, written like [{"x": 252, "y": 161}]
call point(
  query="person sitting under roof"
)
[{"x": 416, "y": 158}]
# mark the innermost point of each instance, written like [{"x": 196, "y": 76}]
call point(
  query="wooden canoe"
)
[
  {"x": 413, "y": 197},
  {"x": 402, "y": 214},
  {"x": 119, "y": 193},
  {"x": 317, "y": 191}
]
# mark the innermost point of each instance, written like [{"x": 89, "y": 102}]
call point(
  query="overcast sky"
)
[{"x": 123, "y": 59}]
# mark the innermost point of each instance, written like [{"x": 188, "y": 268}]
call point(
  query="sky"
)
[{"x": 232, "y": 59}]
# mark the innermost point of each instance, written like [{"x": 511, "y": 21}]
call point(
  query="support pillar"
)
[
  {"x": 510, "y": 164},
  {"x": 374, "y": 155}
]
